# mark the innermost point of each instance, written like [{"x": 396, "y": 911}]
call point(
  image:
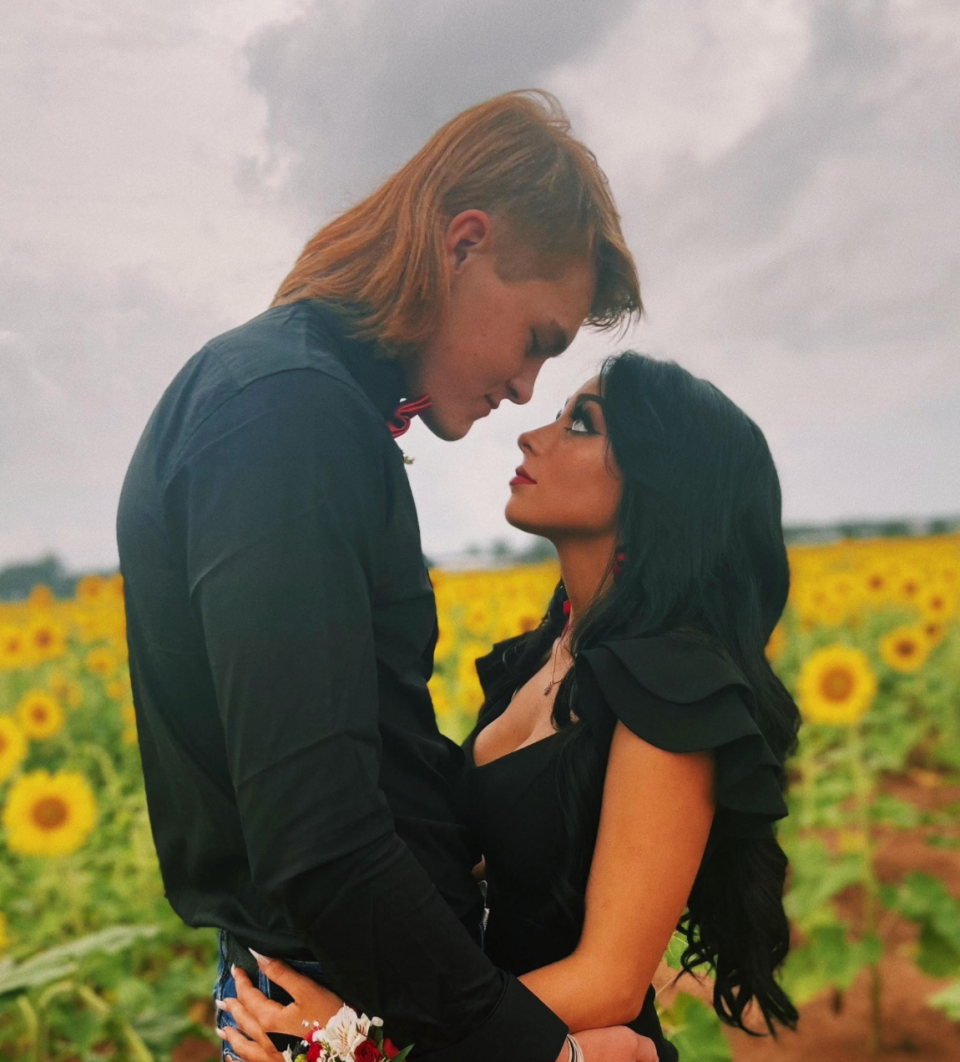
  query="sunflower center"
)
[
  {"x": 905, "y": 648},
  {"x": 49, "y": 813},
  {"x": 3, "y": 744},
  {"x": 43, "y": 639},
  {"x": 837, "y": 684},
  {"x": 876, "y": 582},
  {"x": 38, "y": 713}
]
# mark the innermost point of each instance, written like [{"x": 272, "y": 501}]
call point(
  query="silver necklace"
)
[{"x": 553, "y": 677}]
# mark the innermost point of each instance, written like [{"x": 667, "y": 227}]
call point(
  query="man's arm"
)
[{"x": 282, "y": 502}]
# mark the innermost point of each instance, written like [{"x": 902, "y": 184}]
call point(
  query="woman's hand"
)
[{"x": 256, "y": 1015}]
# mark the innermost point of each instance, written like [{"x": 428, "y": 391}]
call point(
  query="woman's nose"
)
[{"x": 525, "y": 443}]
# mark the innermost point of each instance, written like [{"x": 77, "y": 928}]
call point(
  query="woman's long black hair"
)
[{"x": 700, "y": 530}]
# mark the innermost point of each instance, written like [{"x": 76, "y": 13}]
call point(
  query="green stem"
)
[
  {"x": 32, "y": 1022},
  {"x": 111, "y": 780},
  {"x": 139, "y": 1050},
  {"x": 864, "y": 789},
  {"x": 808, "y": 785}
]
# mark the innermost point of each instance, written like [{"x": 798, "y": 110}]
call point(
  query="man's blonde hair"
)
[{"x": 512, "y": 157}]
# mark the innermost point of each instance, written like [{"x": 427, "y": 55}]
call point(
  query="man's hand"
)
[{"x": 616, "y": 1043}]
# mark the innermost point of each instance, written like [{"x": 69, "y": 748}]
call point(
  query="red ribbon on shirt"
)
[{"x": 399, "y": 423}]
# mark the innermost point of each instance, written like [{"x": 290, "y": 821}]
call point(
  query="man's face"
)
[{"x": 494, "y": 336}]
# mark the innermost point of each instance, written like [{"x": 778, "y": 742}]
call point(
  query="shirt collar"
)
[{"x": 382, "y": 378}]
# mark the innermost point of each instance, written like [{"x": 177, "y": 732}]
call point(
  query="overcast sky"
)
[{"x": 787, "y": 172}]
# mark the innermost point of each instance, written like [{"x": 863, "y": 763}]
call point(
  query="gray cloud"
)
[
  {"x": 354, "y": 90},
  {"x": 786, "y": 171},
  {"x": 82, "y": 363}
]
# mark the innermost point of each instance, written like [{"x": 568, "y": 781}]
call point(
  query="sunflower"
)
[
  {"x": 13, "y": 746},
  {"x": 442, "y": 704},
  {"x": 909, "y": 586},
  {"x": 875, "y": 585},
  {"x": 905, "y": 649},
  {"x": 4, "y": 935},
  {"x": 40, "y": 714},
  {"x": 119, "y": 689},
  {"x": 934, "y": 631},
  {"x": 46, "y": 640},
  {"x": 129, "y": 715},
  {"x": 92, "y": 589},
  {"x": 102, "y": 662},
  {"x": 777, "y": 643},
  {"x": 13, "y": 647},
  {"x": 49, "y": 814},
  {"x": 937, "y": 603},
  {"x": 476, "y": 620},
  {"x": 41, "y": 597},
  {"x": 836, "y": 685}
]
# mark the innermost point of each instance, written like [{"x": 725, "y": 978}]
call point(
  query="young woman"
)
[{"x": 627, "y": 765}]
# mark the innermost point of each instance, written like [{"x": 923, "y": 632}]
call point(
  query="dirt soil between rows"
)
[{"x": 834, "y": 1027}]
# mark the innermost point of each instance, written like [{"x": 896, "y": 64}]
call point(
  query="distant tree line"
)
[{"x": 17, "y": 580}]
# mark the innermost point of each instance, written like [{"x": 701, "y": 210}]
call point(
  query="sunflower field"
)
[{"x": 94, "y": 965}]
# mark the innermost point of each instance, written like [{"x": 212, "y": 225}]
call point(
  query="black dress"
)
[{"x": 674, "y": 692}]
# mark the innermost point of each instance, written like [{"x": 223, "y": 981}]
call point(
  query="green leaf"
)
[
  {"x": 403, "y": 1054},
  {"x": 828, "y": 958},
  {"x": 888, "y": 809},
  {"x": 948, "y": 1000},
  {"x": 937, "y": 840},
  {"x": 676, "y": 948},
  {"x": 925, "y": 901},
  {"x": 817, "y": 878},
  {"x": 159, "y": 1030},
  {"x": 55, "y": 963},
  {"x": 695, "y": 1030}
]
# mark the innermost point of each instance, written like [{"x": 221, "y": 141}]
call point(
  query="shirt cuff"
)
[{"x": 520, "y": 1029}]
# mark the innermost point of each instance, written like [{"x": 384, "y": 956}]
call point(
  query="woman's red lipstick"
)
[{"x": 522, "y": 478}]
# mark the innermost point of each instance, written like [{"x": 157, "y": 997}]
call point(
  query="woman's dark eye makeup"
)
[{"x": 580, "y": 414}]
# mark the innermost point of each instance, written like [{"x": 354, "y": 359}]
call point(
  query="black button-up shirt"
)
[{"x": 281, "y": 626}]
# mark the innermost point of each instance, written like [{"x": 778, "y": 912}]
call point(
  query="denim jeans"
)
[{"x": 225, "y": 988}]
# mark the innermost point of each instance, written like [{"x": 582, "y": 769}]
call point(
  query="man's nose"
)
[{"x": 520, "y": 387}]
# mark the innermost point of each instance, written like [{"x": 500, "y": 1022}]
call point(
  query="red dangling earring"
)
[{"x": 618, "y": 563}]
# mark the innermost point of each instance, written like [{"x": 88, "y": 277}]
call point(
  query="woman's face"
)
[{"x": 568, "y": 485}]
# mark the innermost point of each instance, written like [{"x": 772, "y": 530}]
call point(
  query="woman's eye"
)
[{"x": 578, "y": 424}]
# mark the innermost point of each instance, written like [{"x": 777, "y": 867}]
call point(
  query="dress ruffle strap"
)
[{"x": 680, "y": 695}]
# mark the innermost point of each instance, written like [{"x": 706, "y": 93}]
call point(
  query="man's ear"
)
[{"x": 468, "y": 233}]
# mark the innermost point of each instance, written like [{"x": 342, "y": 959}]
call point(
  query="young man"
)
[{"x": 280, "y": 620}]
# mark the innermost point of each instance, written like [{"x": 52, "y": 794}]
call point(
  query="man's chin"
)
[{"x": 446, "y": 428}]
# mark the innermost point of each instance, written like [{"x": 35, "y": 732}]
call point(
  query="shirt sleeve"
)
[{"x": 282, "y": 500}]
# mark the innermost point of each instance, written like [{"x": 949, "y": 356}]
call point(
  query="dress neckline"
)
[{"x": 513, "y": 752}]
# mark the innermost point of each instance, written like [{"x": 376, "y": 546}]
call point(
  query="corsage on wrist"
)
[{"x": 347, "y": 1037}]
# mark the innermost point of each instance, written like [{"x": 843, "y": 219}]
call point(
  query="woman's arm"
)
[
  {"x": 654, "y": 821},
  {"x": 656, "y": 814}
]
